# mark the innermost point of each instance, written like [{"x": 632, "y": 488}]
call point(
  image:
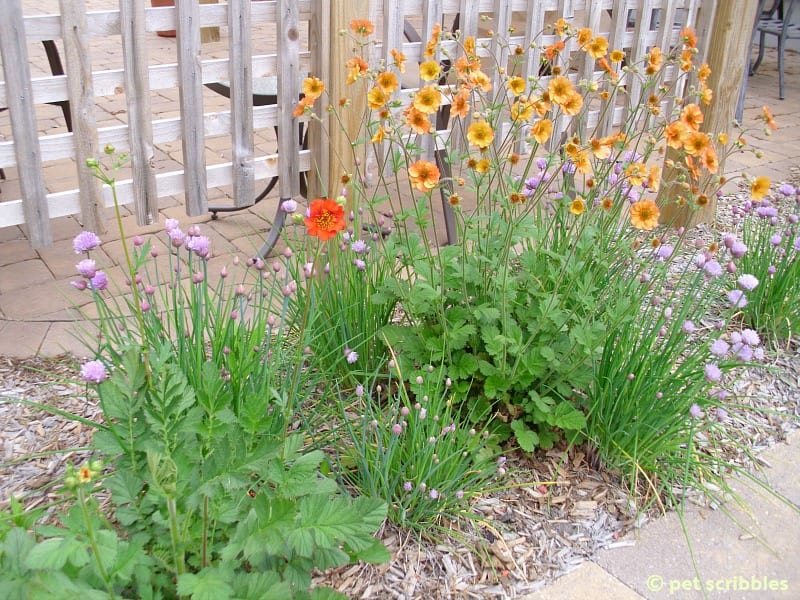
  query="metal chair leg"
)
[{"x": 275, "y": 232}]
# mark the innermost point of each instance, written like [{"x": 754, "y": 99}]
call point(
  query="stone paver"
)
[{"x": 587, "y": 581}]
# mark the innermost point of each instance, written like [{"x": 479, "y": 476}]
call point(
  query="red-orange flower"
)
[
  {"x": 325, "y": 218},
  {"x": 768, "y": 118},
  {"x": 362, "y": 26}
]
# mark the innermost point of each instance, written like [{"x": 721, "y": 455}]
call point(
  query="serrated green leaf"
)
[
  {"x": 568, "y": 417},
  {"x": 326, "y": 593},
  {"x": 526, "y": 438},
  {"x": 208, "y": 584},
  {"x": 376, "y": 553},
  {"x": 48, "y": 554}
]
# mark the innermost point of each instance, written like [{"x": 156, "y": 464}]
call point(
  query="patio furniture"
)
[{"x": 775, "y": 21}]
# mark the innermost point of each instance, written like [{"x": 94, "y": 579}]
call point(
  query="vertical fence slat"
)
[
  {"x": 288, "y": 95},
  {"x": 23, "y": 123},
  {"x": 319, "y": 35},
  {"x": 619, "y": 18},
  {"x": 81, "y": 101},
  {"x": 392, "y": 39},
  {"x": 431, "y": 16},
  {"x": 534, "y": 29},
  {"x": 241, "y": 77},
  {"x": 137, "y": 98},
  {"x": 191, "y": 101}
]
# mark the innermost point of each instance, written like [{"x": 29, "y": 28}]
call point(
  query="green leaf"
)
[
  {"x": 326, "y": 593},
  {"x": 107, "y": 545},
  {"x": 526, "y": 438},
  {"x": 567, "y": 416},
  {"x": 208, "y": 584},
  {"x": 48, "y": 554},
  {"x": 377, "y": 553}
]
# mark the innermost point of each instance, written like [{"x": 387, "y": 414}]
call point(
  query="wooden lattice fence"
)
[{"x": 306, "y": 35}]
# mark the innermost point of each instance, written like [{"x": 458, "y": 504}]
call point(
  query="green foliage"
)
[
  {"x": 415, "y": 449},
  {"x": 768, "y": 229}
]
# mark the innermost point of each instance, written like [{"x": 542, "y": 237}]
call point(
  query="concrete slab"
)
[
  {"x": 19, "y": 275},
  {"x": 730, "y": 562},
  {"x": 587, "y": 581},
  {"x": 21, "y": 339}
]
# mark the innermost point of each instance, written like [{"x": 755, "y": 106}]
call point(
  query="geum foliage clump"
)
[{"x": 557, "y": 309}]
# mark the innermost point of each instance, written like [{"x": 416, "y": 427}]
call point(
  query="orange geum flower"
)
[
  {"x": 469, "y": 47},
  {"x": 481, "y": 80},
  {"x": 706, "y": 95},
  {"x": 417, "y": 121},
  {"x": 692, "y": 116},
  {"x": 84, "y": 474},
  {"x": 480, "y": 134},
  {"x": 542, "y": 130},
  {"x": 399, "y": 60},
  {"x": 428, "y": 100},
  {"x": 601, "y": 148},
  {"x": 710, "y": 160},
  {"x": 696, "y": 143},
  {"x": 573, "y": 104},
  {"x": 606, "y": 66},
  {"x": 553, "y": 50},
  {"x": 379, "y": 136},
  {"x": 482, "y": 166},
  {"x": 654, "y": 178},
  {"x": 581, "y": 161},
  {"x": 768, "y": 118},
  {"x": 654, "y": 60},
  {"x": 607, "y": 203},
  {"x": 304, "y": 103},
  {"x": 522, "y": 110},
  {"x": 598, "y": 47},
  {"x": 636, "y": 173},
  {"x": 675, "y": 133},
  {"x": 584, "y": 35},
  {"x": 325, "y": 218},
  {"x": 617, "y": 56},
  {"x": 561, "y": 27},
  {"x": 686, "y": 60},
  {"x": 388, "y": 82},
  {"x": 362, "y": 27},
  {"x": 424, "y": 175},
  {"x": 459, "y": 105},
  {"x": 644, "y": 215},
  {"x": 356, "y": 68},
  {"x": 577, "y": 206},
  {"x": 516, "y": 85},
  {"x": 704, "y": 72},
  {"x": 430, "y": 70},
  {"x": 465, "y": 67},
  {"x": 689, "y": 37},
  {"x": 313, "y": 87},
  {"x": 430, "y": 47},
  {"x": 376, "y": 98},
  {"x": 560, "y": 89},
  {"x": 759, "y": 187}
]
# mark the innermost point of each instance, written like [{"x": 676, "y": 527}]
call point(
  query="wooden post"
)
[
  {"x": 727, "y": 57},
  {"x": 81, "y": 103},
  {"x": 209, "y": 34},
  {"x": 350, "y": 126}
]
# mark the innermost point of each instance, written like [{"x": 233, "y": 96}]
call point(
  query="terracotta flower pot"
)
[{"x": 159, "y": 4}]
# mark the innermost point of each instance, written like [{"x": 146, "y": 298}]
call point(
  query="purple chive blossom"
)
[
  {"x": 176, "y": 236},
  {"x": 750, "y": 337},
  {"x": 145, "y": 305},
  {"x": 99, "y": 281},
  {"x": 737, "y": 298},
  {"x": 695, "y": 411},
  {"x": 738, "y": 249},
  {"x": 433, "y": 494},
  {"x": 359, "y": 391},
  {"x": 85, "y": 241},
  {"x": 786, "y": 189},
  {"x": 689, "y": 326},
  {"x": 713, "y": 372},
  {"x": 747, "y": 282},
  {"x": 352, "y": 356},
  {"x": 728, "y": 239},
  {"x": 664, "y": 251},
  {"x": 797, "y": 244},
  {"x": 171, "y": 224},
  {"x": 200, "y": 245},
  {"x": 87, "y": 268},
  {"x": 397, "y": 429},
  {"x": 719, "y": 347},
  {"x": 745, "y": 353},
  {"x": 766, "y": 212},
  {"x": 722, "y": 414},
  {"x": 759, "y": 354},
  {"x": 407, "y": 486},
  {"x": 94, "y": 371},
  {"x": 776, "y": 239},
  {"x": 459, "y": 494},
  {"x": 541, "y": 163},
  {"x": 713, "y": 268},
  {"x": 289, "y": 206},
  {"x": 771, "y": 270},
  {"x": 359, "y": 247},
  {"x": 359, "y": 264},
  {"x": 79, "y": 285},
  {"x": 700, "y": 260}
]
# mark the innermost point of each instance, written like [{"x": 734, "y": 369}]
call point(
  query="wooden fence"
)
[{"x": 307, "y": 41}]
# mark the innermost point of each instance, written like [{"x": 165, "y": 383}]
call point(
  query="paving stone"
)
[
  {"x": 587, "y": 581},
  {"x": 62, "y": 338},
  {"x": 23, "y": 274},
  {"x": 14, "y": 251},
  {"x": 20, "y": 339}
]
